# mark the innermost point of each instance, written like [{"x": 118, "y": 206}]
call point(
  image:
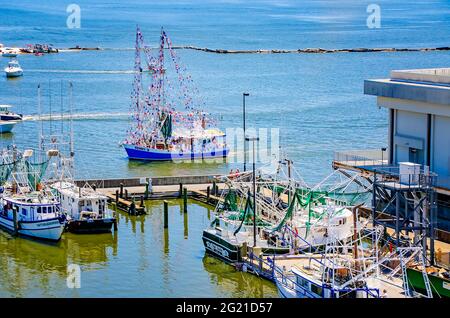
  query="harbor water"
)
[
  {"x": 315, "y": 100},
  {"x": 141, "y": 259}
]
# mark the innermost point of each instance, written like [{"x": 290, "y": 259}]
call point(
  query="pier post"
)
[
  {"x": 208, "y": 190},
  {"x": 117, "y": 197},
  {"x": 126, "y": 194},
  {"x": 132, "y": 209},
  {"x": 121, "y": 190},
  {"x": 181, "y": 190},
  {"x": 166, "y": 214},
  {"x": 185, "y": 200},
  {"x": 115, "y": 220},
  {"x": 142, "y": 201},
  {"x": 15, "y": 221},
  {"x": 146, "y": 190},
  {"x": 214, "y": 188}
]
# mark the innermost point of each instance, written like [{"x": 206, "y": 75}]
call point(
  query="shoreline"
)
[{"x": 22, "y": 51}]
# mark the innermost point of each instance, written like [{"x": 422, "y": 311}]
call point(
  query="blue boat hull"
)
[
  {"x": 150, "y": 154},
  {"x": 6, "y": 127}
]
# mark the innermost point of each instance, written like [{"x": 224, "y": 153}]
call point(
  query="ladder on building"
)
[
  {"x": 404, "y": 275},
  {"x": 425, "y": 277}
]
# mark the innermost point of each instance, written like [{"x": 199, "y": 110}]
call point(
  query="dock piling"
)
[
  {"x": 121, "y": 190},
  {"x": 146, "y": 190},
  {"x": 181, "y": 190},
  {"x": 126, "y": 194},
  {"x": 208, "y": 190},
  {"x": 132, "y": 210},
  {"x": 185, "y": 200},
  {"x": 117, "y": 197},
  {"x": 115, "y": 221},
  {"x": 214, "y": 188},
  {"x": 142, "y": 201},
  {"x": 166, "y": 214}
]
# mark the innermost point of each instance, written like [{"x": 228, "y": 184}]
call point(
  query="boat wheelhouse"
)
[
  {"x": 37, "y": 215},
  {"x": 87, "y": 210},
  {"x": 6, "y": 114}
]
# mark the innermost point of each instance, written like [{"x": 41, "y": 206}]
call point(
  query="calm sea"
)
[{"x": 316, "y": 101}]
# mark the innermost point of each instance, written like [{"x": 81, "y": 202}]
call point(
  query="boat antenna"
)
[
  {"x": 72, "y": 153},
  {"x": 50, "y": 104},
  {"x": 41, "y": 132},
  {"x": 62, "y": 103}
]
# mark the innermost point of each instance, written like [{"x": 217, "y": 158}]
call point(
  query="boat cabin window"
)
[
  {"x": 302, "y": 282},
  {"x": 24, "y": 211},
  {"x": 341, "y": 221},
  {"x": 316, "y": 289},
  {"x": 39, "y": 209}
]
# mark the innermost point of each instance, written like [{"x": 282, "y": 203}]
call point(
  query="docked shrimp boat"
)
[
  {"x": 87, "y": 210},
  {"x": 37, "y": 215},
  {"x": 160, "y": 132}
]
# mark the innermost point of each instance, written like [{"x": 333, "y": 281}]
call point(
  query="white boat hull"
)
[
  {"x": 15, "y": 73},
  {"x": 50, "y": 229}
]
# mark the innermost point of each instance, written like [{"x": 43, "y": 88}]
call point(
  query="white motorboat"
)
[
  {"x": 9, "y": 52},
  {"x": 13, "y": 69}
]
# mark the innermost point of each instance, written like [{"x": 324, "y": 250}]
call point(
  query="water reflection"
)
[
  {"x": 208, "y": 166},
  {"x": 25, "y": 263},
  {"x": 233, "y": 283},
  {"x": 186, "y": 226}
]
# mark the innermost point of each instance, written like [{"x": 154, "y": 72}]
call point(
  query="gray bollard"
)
[{"x": 166, "y": 214}]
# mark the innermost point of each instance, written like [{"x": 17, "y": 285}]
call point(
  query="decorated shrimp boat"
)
[{"x": 159, "y": 131}]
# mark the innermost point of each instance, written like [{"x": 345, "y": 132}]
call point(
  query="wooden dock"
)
[
  {"x": 126, "y": 205},
  {"x": 206, "y": 197},
  {"x": 127, "y": 194}
]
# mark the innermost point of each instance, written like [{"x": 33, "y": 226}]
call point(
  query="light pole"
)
[
  {"x": 253, "y": 139},
  {"x": 382, "y": 155},
  {"x": 243, "y": 120}
]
